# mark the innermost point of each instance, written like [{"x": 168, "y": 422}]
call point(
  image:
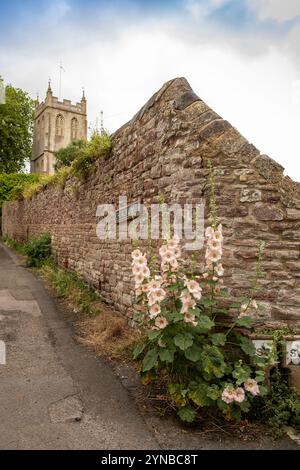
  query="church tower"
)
[{"x": 56, "y": 125}]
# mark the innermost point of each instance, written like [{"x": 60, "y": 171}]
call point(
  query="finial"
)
[
  {"x": 37, "y": 96},
  {"x": 49, "y": 86},
  {"x": 83, "y": 95}
]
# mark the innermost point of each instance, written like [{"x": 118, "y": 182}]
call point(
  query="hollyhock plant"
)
[
  {"x": 187, "y": 332},
  {"x": 197, "y": 347}
]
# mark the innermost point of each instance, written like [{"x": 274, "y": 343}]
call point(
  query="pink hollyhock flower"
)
[
  {"x": 154, "y": 284},
  {"x": 239, "y": 395},
  {"x": 146, "y": 271},
  {"x": 158, "y": 294},
  {"x": 173, "y": 244},
  {"x": 174, "y": 264},
  {"x": 140, "y": 261},
  {"x": 139, "y": 278},
  {"x": 190, "y": 318},
  {"x": 219, "y": 270},
  {"x": 176, "y": 252},
  {"x": 194, "y": 289},
  {"x": 164, "y": 267},
  {"x": 215, "y": 244},
  {"x": 137, "y": 269},
  {"x": 252, "y": 386},
  {"x": 163, "y": 249},
  {"x": 185, "y": 297},
  {"x": 213, "y": 256},
  {"x": 228, "y": 395},
  {"x": 209, "y": 232},
  {"x": 161, "y": 322},
  {"x": 168, "y": 257},
  {"x": 138, "y": 291},
  {"x": 136, "y": 254},
  {"x": 154, "y": 310}
]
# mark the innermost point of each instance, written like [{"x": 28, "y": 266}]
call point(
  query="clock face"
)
[
  {"x": 293, "y": 353},
  {"x": 262, "y": 346}
]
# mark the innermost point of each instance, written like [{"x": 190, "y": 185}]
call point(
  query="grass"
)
[
  {"x": 69, "y": 287},
  {"x": 17, "y": 246},
  {"x": 98, "y": 327}
]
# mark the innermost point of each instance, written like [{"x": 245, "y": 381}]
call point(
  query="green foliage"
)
[
  {"x": 98, "y": 146},
  {"x": 66, "y": 156},
  {"x": 81, "y": 155},
  {"x": 68, "y": 286},
  {"x": 16, "y": 123},
  {"x": 280, "y": 406},
  {"x": 37, "y": 250},
  {"x": 12, "y": 185},
  {"x": 15, "y": 245}
]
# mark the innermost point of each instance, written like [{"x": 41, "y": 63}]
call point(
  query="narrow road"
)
[{"x": 53, "y": 393}]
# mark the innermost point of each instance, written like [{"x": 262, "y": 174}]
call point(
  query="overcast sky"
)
[{"x": 240, "y": 56}]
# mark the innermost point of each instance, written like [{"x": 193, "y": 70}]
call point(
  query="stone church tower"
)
[{"x": 56, "y": 125}]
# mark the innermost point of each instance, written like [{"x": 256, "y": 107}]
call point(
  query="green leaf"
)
[
  {"x": 247, "y": 346},
  {"x": 207, "y": 302},
  {"x": 138, "y": 350},
  {"x": 183, "y": 341},
  {"x": 213, "y": 392},
  {"x": 218, "y": 339},
  {"x": 150, "y": 360},
  {"x": 245, "y": 406},
  {"x": 213, "y": 362},
  {"x": 245, "y": 322},
  {"x": 187, "y": 414},
  {"x": 199, "y": 396},
  {"x": 263, "y": 390},
  {"x": 172, "y": 287},
  {"x": 166, "y": 355},
  {"x": 153, "y": 334},
  {"x": 174, "y": 316},
  {"x": 193, "y": 353},
  {"x": 260, "y": 376},
  {"x": 241, "y": 372},
  {"x": 205, "y": 323}
]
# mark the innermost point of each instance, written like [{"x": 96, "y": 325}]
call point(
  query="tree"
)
[
  {"x": 65, "y": 156},
  {"x": 16, "y": 124}
]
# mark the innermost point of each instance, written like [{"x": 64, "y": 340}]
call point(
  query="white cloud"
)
[
  {"x": 201, "y": 8},
  {"x": 277, "y": 10}
]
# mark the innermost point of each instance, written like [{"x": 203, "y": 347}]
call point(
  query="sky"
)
[{"x": 242, "y": 57}]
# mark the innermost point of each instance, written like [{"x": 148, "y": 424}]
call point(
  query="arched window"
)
[
  {"x": 59, "y": 125},
  {"x": 38, "y": 130},
  {"x": 74, "y": 128}
]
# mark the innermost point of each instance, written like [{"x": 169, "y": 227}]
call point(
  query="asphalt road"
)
[{"x": 53, "y": 393}]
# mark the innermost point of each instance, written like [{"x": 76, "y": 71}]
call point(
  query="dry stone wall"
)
[{"x": 165, "y": 149}]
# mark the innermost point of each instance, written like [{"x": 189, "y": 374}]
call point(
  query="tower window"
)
[
  {"x": 38, "y": 130},
  {"x": 59, "y": 125},
  {"x": 74, "y": 128}
]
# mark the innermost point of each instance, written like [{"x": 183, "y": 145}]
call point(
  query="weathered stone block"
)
[
  {"x": 250, "y": 195},
  {"x": 267, "y": 212}
]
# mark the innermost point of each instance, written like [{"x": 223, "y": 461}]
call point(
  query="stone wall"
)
[{"x": 165, "y": 149}]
